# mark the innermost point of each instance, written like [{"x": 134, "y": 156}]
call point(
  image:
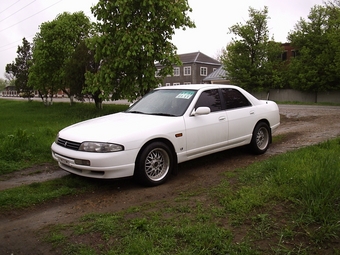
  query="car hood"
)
[{"x": 117, "y": 127}]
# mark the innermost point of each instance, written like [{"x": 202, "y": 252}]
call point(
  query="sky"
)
[{"x": 213, "y": 18}]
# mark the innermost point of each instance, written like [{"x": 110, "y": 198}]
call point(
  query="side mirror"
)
[{"x": 201, "y": 111}]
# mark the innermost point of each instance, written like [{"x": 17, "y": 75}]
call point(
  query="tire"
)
[
  {"x": 154, "y": 164},
  {"x": 261, "y": 138}
]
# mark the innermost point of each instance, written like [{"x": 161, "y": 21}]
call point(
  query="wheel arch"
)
[
  {"x": 169, "y": 144},
  {"x": 270, "y": 130}
]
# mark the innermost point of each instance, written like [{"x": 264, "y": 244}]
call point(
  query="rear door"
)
[{"x": 241, "y": 115}]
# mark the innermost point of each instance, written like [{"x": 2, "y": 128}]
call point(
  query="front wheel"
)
[
  {"x": 261, "y": 138},
  {"x": 154, "y": 164}
]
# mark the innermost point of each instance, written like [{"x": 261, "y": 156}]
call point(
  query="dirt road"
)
[{"x": 300, "y": 126}]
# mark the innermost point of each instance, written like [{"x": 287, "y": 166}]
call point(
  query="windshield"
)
[{"x": 167, "y": 102}]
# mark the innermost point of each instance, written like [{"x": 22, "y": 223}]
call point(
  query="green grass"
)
[
  {"x": 41, "y": 192},
  {"x": 288, "y": 204},
  {"x": 27, "y": 129},
  {"x": 147, "y": 232}
]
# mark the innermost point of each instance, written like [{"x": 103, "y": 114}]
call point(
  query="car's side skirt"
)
[{"x": 189, "y": 155}]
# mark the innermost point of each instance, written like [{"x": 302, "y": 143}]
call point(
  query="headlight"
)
[{"x": 100, "y": 147}]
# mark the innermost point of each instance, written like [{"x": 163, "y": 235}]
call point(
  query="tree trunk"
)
[
  {"x": 316, "y": 97},
  {"x": 98, "y": 101},
  {"x": 69, "y": 96},
  {"x": 71, "y": 100},
  {"x": 45, "y": 100},
  {"x": 41, "y": 95},
  {"x": 99, "y": 104}
]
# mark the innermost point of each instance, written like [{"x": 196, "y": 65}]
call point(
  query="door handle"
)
[
  {"x": 251, "y": 112},
  {"x": 221, "y": 118}
]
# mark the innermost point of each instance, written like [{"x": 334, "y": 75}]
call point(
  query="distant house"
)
[
  {"x": 288, "y": 52},
  {"x": 195, "y": 67},
  {"x": 10, "y": 91},
  {"x": 219, "y": 76}
]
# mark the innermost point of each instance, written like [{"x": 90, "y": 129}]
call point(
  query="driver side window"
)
[{"x": 210, "y": 98}]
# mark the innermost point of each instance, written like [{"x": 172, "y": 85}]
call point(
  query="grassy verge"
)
[
  {"x": 41, "y": 192},
  {"x": 288, "y": 204},
  {"x": 27, "y": 129}
]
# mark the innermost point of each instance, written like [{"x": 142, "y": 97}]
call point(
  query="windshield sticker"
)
[{"x": 185, "y": 94}]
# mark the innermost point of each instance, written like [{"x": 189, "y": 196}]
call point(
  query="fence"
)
[{"x": 291, "y": 95}]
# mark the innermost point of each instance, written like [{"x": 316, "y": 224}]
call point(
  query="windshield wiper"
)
[
  {"x": 163, "y": 114},
  {"x": 136, "y": 112},
  {"x": 154, "y": 113}
]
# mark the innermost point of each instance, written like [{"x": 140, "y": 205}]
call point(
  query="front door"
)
[{"x": 205, "y": 133}]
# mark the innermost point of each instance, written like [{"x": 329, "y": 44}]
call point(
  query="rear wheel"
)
[
  {"x": 261, "y": 138},
  {"x": 154, "y": 164}
]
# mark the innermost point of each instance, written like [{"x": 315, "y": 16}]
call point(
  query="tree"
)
[
  {"x": 251, "y": 60},
  {"x": 3, "y": 84},
  {"x": 317, "y": 66},
  {"x": 334, "y": 10},
  {"x": 219, "y": 54},
  {"x": 81, "y": 61},
  {"x": 132, "y": 36},
  {"x": 10, "y": 77},
  {"x": 20, "y": 68},
  {"x": 54, "y": 47}
]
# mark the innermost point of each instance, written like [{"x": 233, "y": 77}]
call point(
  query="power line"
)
[
  {"x": 30, "y": 16},
  {"x": 8, "y": 44},
  {"x": 12, "y": 47},
  {"x": 18, "y": 11},
  {"x": 9, "y": 7}
]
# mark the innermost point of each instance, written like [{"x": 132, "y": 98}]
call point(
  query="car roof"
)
[{"x": 199, "y": 86}]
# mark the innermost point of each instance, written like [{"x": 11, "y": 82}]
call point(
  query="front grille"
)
[{"x": 68, "y": 144}]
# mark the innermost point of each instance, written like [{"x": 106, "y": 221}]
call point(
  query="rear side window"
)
[
  {"x": 234, "y": 99},
  {"x": 210, "y": 98}
]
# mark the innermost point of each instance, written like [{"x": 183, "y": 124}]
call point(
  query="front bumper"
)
[{"x": 102, "y": 165}]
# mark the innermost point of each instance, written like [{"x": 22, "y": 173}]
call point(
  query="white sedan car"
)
[{"x": 167, "y": 126}]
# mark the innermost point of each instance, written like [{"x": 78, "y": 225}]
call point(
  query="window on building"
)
[
  {"x": 177, "y": 71},
  {"x": 214, "y": 69},
  {"x": 294, "y": 53},
  {"x": 187, "y": 70},
  {"x": 284, "y": 56},
  {"x": 157, "y": 72},
  {"x": 203, "y": 71}
]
